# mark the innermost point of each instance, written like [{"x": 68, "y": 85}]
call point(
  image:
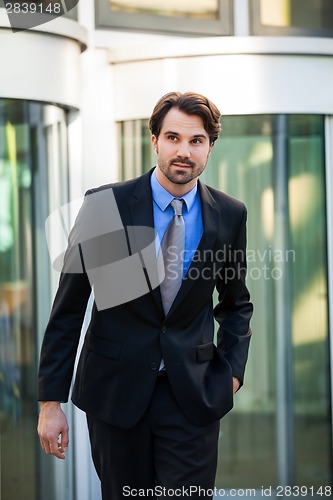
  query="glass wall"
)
[
  {"x": 280, "y": 428},
  {"x": 293, "y": 17},
  {"x": 30, "y": 137},
  {"x": 279, "y": 431}
]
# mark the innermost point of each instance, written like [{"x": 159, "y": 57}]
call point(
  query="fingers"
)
[
  {"x": 63, "y": 444},
  {"x": 54, "y": 448},
  {"x": 235, "y": 384},
  {"x": 54, "y": 445}
]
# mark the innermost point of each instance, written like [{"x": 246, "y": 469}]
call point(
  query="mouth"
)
[{"x": 182, "y": 165}]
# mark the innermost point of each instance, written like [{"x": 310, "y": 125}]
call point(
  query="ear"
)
[{"x": 154, "y": 143}]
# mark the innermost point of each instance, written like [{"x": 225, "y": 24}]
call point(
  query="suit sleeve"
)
[
  {"x": 63, "y": 331},
  {"x": 234, "y": 309}
]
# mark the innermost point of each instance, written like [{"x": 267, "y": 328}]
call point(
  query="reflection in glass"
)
[
  {"x": 275, "y": 13},
  {"x": 275, "y": 164},
  {"x": 308, "y": 14},
  {"x": 202, "y": 9}
]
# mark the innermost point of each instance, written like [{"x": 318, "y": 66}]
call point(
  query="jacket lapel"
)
[
  {"x": 141, "y": 209},
  {"x": 141, "y": 202}
]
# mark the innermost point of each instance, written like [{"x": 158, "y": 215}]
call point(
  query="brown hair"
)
[{"x": 191, "y": 104}]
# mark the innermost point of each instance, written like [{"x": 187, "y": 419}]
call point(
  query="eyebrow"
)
[{"x": 195, "y": 136}]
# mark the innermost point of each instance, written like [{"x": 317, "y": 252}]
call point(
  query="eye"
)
[
  {"x": 197, "y": 141},
  {"x": 172, "y": 137}
]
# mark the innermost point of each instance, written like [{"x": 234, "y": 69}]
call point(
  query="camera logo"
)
[{"x": 25, "y": 15}]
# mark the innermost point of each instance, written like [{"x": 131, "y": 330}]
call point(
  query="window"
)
[
  {"x": 187, "y": 8},
  {"x": 197, "y": 17},
  {"x": 292, "y": 17}
]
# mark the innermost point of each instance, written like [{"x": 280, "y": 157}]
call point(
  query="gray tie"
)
[{"x": 173, "y": 245}]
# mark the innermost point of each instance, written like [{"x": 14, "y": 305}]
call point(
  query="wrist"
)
[{"x": 43, "y": 404}]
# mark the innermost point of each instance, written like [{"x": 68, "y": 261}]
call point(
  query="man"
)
[{"x": 150, "y": 379}]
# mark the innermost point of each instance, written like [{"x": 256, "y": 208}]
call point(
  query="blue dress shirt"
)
[{"x": 163, "y": 213}]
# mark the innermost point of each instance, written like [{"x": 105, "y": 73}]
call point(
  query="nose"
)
[{"x": 183, "y": 149}]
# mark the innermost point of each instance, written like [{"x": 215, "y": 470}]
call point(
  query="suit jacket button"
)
[
  {"x": 164, "y": 329},
  {"x": 154, "y": 366}
]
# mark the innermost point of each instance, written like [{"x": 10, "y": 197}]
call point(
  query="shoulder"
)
[
  {"x": 122, "y": 186},
  {"x": 125, "y": 188},
  {"x": 221, "y": 200}
]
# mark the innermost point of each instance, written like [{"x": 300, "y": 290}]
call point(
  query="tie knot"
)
[{"x": 177, "y": 205}]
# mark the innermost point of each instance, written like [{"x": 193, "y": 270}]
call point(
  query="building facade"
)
[{"x": 75, "y": 97}]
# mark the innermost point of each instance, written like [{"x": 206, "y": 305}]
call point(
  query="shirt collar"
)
[{"x": 163, "y": 198}]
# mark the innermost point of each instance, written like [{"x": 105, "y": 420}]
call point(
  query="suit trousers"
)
[{"x": 164, "y": 455}]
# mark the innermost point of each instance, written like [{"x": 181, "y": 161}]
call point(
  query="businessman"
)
[{"x": 150, "y": 379}]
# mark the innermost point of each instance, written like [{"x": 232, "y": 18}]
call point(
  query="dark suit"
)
[{"x": 123, "y": 347}]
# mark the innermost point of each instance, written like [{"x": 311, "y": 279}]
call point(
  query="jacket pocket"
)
[
  {"x": 205, "y": 352},
  {"x": 102, "y": 347}
]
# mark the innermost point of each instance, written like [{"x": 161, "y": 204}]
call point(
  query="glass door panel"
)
[
  {"x": 26, "y": 131},
  {"x": 17, "y": 336},
  {"x": 241, "y": 164},
  {"x": 310, "y": 342}
]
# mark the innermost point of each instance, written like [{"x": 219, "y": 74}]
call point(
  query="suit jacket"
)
[{"x": 124, "y": 344}]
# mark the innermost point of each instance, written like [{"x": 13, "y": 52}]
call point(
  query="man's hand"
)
[
  {"x": 53, "y": 429},
  {"x": 235, "y": 384}
]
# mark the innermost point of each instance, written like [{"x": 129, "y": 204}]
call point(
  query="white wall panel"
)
[
  {"x": 42, "y": 65},
  {"x": 239, "y": 82},
  {"x": 137, "y": 86}
]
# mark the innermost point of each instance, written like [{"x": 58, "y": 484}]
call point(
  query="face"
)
[{"x": 182, "y": 149}]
